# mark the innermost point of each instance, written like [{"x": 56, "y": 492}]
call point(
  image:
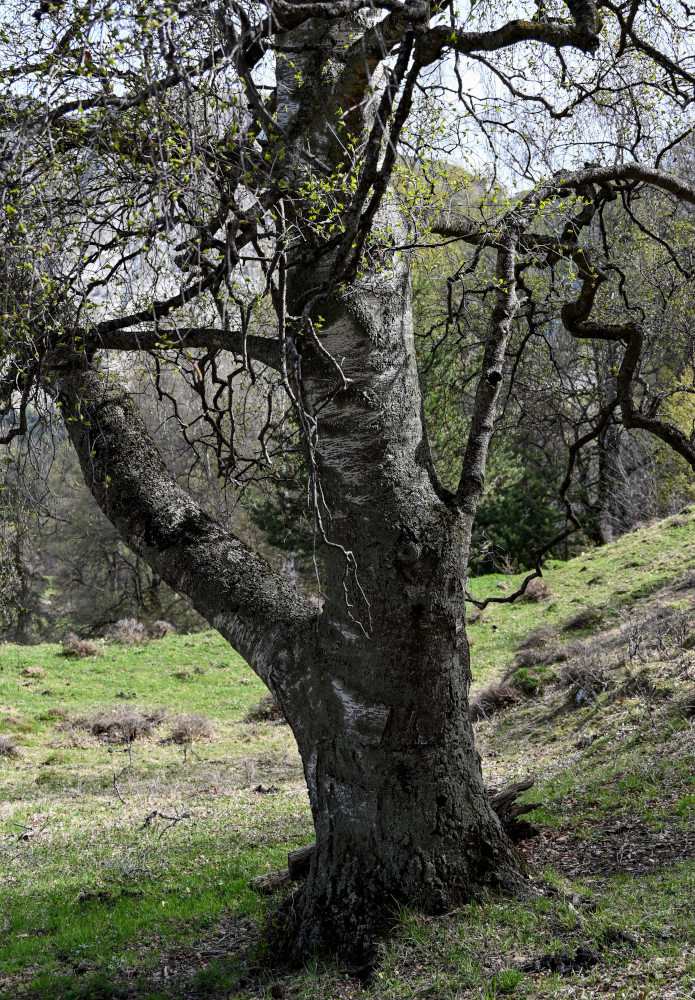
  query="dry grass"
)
[
  {"x": 492, "y": 699},
  {"x": 34, "y": 672},
  {"x": 15, "y": 721},
  {"x": 80, "y": 648},
  {"x": 160, "y": 628},
  {"x": 583, "y": 619},
  {"x": 54, "y": 713},
  {"x": 191, "y": 728},
  {"x": 129, "y": 632},
  {"x": 8, "y": 747},
  {"x": 538, "y": 590},
  {"x": 267, "y": 710}
]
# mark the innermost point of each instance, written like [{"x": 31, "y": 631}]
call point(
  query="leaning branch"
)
[
  {"x": 257, "y": 609},
  {"x": 265, "y": 350},
  {"x": 472, "y": 481},
  {"x": 582, "y": 35}
]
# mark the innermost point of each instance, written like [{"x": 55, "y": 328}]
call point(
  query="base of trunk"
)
[{"x": 344, "y": 909}]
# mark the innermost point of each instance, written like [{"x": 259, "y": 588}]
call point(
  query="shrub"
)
[
  {"x": 529, "y": 657},
  {"x": 492, "y": 699},
  {"x": 267, "y": 710},
  {"x": 161, "y": 628},
  {"x": 583, "y": 673},
  {"x": 687, "y": 703},
  {"x": 123, "y": 725},
  {"x": 129, "y": 631},
  {"x": 191, "y": 728},
  {"x": 540, "y": 657},
  {"x": 530, "y": 680},
  {"x": 81, "y": 648},
  {"x": 8, "y": 747},
  {"x": 525, "y": 680},
  {"x": 536, "y": 591}
]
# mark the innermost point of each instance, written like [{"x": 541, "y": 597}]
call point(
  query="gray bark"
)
[
  {"x": 394, "y": 779},
  {"x": 376, "y": 687},
  {"x": 257, "y": 610}
]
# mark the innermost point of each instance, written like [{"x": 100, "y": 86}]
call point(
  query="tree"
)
[{"x": 217, "y": 187}]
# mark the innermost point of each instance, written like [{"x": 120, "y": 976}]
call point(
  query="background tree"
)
[{"x": 214, "y": 186}]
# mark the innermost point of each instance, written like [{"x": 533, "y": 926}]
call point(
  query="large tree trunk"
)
[
  {"x": 376, "y": 688},
  {"x": 394, "y": 779},
  {"x": 395, "y": 784}
]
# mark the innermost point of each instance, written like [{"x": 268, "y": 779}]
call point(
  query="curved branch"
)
[
  {"x": 255, "y": 608},
  {"x": 575, "y": 318},
  {"x": 583, "y": 35}
]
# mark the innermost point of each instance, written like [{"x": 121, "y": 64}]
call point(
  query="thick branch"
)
[
  {"x": 575, "y": 318},
  {"x": 582, "y": 35},
  {"x": 265, "y": 350},
  {"x": 458, "y": 226},
  {"x": 472, "y": 480},
  {"x": 266, "y": 620}
]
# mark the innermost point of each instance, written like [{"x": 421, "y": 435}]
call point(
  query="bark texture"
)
[
  {"x": 376, "y": 687},
  {"x": 394, "y": 779}
]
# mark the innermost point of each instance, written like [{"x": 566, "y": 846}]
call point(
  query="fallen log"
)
[
  {"x": 503, "y": 801},
  {"x": 269, "y": 883},
  {"x": 299, "y": 861}
]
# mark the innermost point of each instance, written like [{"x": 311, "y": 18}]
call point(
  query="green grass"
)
[
  {"x": 93, "y": 886},
  {"x": 94, "y": 904},
  {"x": 610, "y": 579}
]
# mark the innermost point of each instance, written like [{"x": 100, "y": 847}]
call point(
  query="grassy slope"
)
[{"x": 96, "y": 905}]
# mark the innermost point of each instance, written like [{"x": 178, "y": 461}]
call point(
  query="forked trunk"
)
[
  {"x": 394, "y": 779},
  {"x": 376, "y": 687}
]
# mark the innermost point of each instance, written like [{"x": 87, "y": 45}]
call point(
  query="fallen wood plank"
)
[
  {"x": 299, "y": 861},
  {"x": 269, "y": 883}
]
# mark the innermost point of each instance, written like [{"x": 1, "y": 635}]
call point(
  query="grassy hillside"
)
[{"x": 129, "y": 829}]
